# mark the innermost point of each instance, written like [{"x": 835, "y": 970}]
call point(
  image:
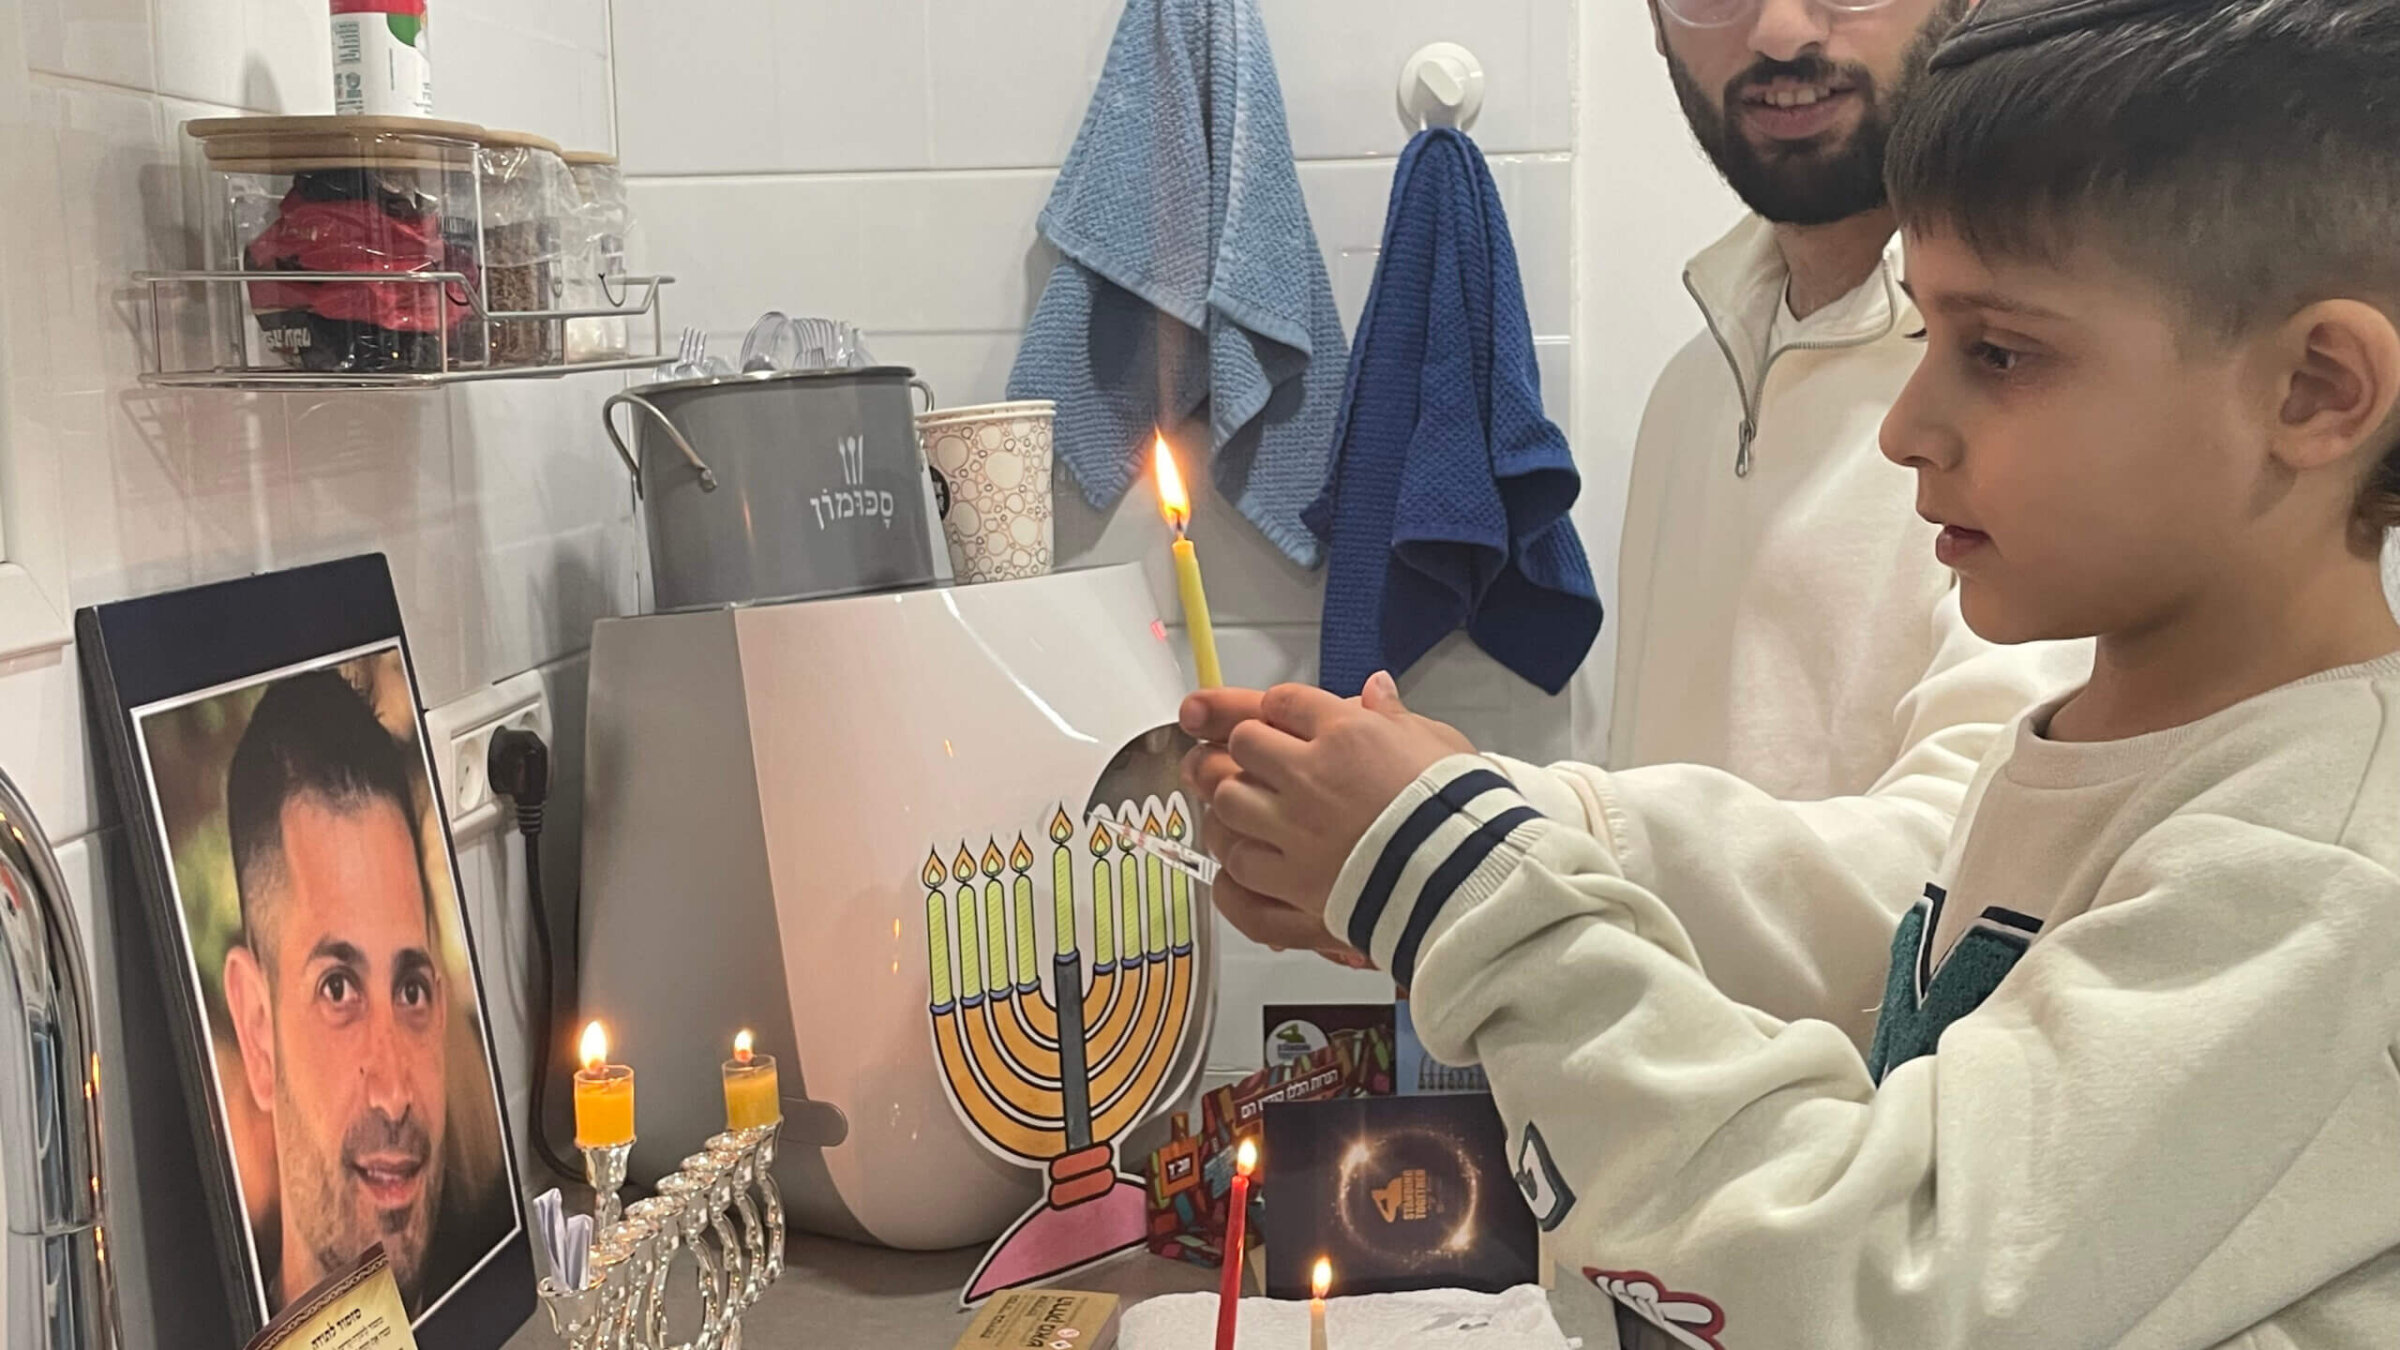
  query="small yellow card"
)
[{"x": 354, "y": 1309}]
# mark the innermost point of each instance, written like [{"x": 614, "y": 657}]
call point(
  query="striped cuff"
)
[{"x": 1445, "y": 845}]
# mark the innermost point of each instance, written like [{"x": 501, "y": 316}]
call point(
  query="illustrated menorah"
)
[{"x": 1054, "y": 1079}]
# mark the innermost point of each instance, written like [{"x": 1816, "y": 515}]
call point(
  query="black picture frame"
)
[{"x": 146, "y": 656}]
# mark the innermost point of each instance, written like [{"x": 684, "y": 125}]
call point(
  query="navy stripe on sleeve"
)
[
  {"x": 1445, "y": 882},
  {"x": 1405, "y": 841}
]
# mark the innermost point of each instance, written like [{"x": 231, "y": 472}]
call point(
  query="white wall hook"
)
[{"x": 1441, "y": 86}]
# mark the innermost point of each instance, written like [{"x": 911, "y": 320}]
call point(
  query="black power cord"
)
[{"x": 518, "y": 767}]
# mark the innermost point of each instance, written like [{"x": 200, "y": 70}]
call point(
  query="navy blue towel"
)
[{"x": 1447, "y": 503}]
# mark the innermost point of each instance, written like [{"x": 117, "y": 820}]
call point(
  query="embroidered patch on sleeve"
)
[
  {"x": 1546, "y": 1192},
  {"x": 1689, "y": 1320}
]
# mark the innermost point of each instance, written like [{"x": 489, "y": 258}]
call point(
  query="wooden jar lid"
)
[
  {"x": 495, "y": 139},
  {"x": 295, "y": 144}
]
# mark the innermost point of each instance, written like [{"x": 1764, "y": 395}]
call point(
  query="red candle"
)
[{"x": 1229, "y": 1292}]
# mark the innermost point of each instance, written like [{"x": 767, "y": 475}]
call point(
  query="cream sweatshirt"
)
[
  {"x": 2140, "y": 1082},
  {"x": 1791, "y": 658}
]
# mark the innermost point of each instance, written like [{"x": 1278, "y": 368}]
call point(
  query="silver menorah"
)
[{"x": 721, "y": 1207}]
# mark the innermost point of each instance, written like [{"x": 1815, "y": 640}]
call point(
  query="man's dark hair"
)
[
  {"x": 2242, "y": 154},
  {"x": 312, "y": 735}
]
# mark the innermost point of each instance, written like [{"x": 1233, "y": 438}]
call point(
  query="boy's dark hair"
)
[
  {"x": 311, "y": 735},
  {"x": 2245, "y": 154}
]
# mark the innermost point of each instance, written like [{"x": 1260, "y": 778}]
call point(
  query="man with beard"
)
[
  {"x": 336, "y": 994},
  {"x": 1796, "y": 694}
]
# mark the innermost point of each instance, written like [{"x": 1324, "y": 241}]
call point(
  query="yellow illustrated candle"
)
[
  {"x": 603, "y": 1095},
  {"x": 1176, "y": 504},
  {"x": 1062, "y": 885},
  {"x": 1104, "y": 902},
  {"x": 752, "y": 1098}
]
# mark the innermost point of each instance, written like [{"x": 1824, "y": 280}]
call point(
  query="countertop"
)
[{"x": 834, "y": 1293}]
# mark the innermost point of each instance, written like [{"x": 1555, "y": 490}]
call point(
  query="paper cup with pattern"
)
[{"x": 991, "y": 468}]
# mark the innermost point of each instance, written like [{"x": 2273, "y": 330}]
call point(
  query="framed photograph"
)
[{"x": 268, "y": 750}]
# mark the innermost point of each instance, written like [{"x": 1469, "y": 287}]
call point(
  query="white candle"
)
[{"x": 1320, "y": 1281}]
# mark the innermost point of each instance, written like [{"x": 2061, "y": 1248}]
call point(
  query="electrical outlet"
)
[{"x": 460, "y": 734}]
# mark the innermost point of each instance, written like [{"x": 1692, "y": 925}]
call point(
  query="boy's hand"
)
[
  {"x": 1297, "y": 783},
  {"x": 1268, "y": 922}
]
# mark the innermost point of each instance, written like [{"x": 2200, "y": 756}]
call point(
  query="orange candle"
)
[
  {"x": 603, "y": 1095},
  {"x": 1229, "y": 1289},
  {"x": 752, "y": 1098}
]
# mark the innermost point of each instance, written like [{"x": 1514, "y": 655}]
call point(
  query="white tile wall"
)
[{"x": 504, "y": 513}]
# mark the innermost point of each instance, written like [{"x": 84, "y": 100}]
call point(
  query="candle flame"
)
[
  {"x": 1175, "y": 823},
  {"x": 1321, "y": 1279},
  {"x": 595, "y": 1046},
  {"x": 741, "y": 1046},
  {"x": 993, "y": 860},
  {"x": 1099, "y": 840},
  {"x": 1020, "y": 858},
  {"x": 1173, "y": 501},
  {"x": 965, "y": 866},
  {"x": 1245, "y": 1158},
  {"x": 935, "y": 873},
  {"x": 1062, "y": 827}
]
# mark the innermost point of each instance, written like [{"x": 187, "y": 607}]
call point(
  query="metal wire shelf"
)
[{"x": 452, "y": 288}]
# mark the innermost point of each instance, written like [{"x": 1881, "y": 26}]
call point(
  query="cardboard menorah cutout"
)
[{"x": 1054, "y": 1076}]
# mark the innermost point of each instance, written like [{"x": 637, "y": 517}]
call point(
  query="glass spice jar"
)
[
  {"x": 596, "y": 255},
  {"x": 528, "y": 201}
]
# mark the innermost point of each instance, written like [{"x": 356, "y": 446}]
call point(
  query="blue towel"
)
[
  {"x": 1447, "y": 504},
  {"x": 1189, "y": 274}
]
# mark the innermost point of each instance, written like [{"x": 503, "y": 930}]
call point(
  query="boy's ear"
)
[{"x": 2340, "y": 381}]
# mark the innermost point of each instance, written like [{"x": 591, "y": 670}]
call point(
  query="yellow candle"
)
[
  {"x": 603, "y": 1095},
  {"x": 1176, "y": 503},
  {"x": 752, "y": 1097}
]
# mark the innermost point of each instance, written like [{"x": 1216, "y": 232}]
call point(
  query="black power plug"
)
[{"x": 518, "y": 768}]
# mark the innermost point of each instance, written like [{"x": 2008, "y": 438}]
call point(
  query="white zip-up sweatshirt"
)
[
  {"x": 1791, "y": 658},
  {"x": 2142, "y": 1051}
]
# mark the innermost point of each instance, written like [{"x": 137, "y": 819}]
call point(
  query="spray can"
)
[{"x": 381, "y": 66}]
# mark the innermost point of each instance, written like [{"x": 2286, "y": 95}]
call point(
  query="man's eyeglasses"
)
[{"x": 1726, "y": 13}]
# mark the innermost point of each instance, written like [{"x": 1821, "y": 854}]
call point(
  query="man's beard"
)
[
  {"x": 1808, "y": 182},
  {"x": 322, "y": 1204}
]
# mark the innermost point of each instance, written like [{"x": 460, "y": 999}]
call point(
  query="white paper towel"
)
[{"x": 1438, "y": 1319}]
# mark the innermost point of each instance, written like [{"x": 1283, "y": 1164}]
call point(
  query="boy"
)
[{"x": 2136, "y": 1076}]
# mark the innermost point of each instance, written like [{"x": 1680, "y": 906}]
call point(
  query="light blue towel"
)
[{"x": 1190, "y": 277}]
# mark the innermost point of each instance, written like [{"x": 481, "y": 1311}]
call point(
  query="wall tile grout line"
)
[{"x": 721, "y": 178}]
